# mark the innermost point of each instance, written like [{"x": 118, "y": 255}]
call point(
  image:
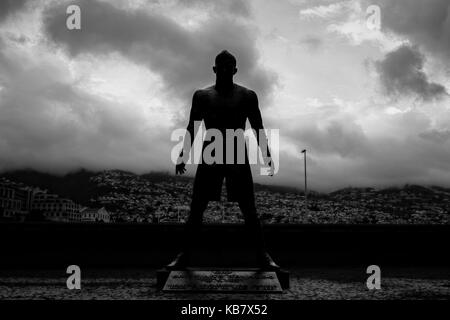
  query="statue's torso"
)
[{"x": 224, "y": 110}]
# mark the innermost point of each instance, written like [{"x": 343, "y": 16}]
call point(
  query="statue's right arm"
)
[{"x": 195, "y": 118}]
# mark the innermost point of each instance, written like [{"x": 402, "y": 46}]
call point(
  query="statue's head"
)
[{"x": 225, "y": 65}]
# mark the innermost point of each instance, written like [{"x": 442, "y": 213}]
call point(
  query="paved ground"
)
[{"x": 306, "y": 284}]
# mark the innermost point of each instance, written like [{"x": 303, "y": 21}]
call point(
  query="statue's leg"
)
[
  {"x": 252, "y": 223},
  {"x": 191, "y": 230},
  {"x": 194, "y": 223},
  {"x": 256, "y": 232}
]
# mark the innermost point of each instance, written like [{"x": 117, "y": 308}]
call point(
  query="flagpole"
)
[{"x": 306, "y": 184}]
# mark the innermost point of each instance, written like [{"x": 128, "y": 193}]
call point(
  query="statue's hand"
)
[
  {"x": 180, "y": 168},
  {"x": 269, "y": 162},
  {"x": 272, "y": 168}
]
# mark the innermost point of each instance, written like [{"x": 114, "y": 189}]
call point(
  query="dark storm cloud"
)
[
  {"x": 51, "y": 121},
  {"x": 8, "y": 7},
  {"x": 329, "y": 131},
  {"x": 235, "y": 7},
  {"x": 401, "y": 73},
  {"x": 183, "y": 57},
  {"x": 424, "y": 23},
  {"x": 46, "y": 123},
  {"x": 342, "y": 137},
  {"x": 437, "y": 136},
  {"x": 340, "y": 152}
]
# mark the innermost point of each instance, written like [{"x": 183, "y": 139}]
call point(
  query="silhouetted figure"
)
[{"x": 222, "y": 106}]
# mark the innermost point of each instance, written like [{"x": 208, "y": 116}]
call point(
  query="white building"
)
[
  {"x": 15, "y": 200},
  {"x": 95, "y": 215},
  {"x": 55, "y": 208}
]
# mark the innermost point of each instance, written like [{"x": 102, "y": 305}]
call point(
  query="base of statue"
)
[{"x": 222, "y": 280}]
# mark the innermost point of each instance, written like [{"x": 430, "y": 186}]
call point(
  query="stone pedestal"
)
[{"x": 222, "y": 280}]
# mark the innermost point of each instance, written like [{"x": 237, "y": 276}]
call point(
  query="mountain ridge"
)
[{"x": 77, "y": 185}]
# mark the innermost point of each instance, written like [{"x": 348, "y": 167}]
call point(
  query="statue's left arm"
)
[{"x": 255, "y": 119}]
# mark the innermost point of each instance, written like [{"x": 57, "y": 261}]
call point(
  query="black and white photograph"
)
[{"x": 219, "y": 157}]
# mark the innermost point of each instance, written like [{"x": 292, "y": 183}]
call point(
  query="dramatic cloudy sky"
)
[{"x": 372, "y": 107}]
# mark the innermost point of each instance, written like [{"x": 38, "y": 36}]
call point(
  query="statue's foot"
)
[
  {"x": 180, "y": 261},
  {"x": 266, "y": 262}
]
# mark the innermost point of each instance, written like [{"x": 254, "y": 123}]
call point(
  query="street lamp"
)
[{"x": 306, "y": 185}]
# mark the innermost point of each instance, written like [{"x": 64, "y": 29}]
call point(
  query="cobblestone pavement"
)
[{"x": 306, "y": 284}]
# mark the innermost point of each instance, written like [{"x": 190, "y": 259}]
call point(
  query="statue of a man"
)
[{"x": 223, "y": 106}]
